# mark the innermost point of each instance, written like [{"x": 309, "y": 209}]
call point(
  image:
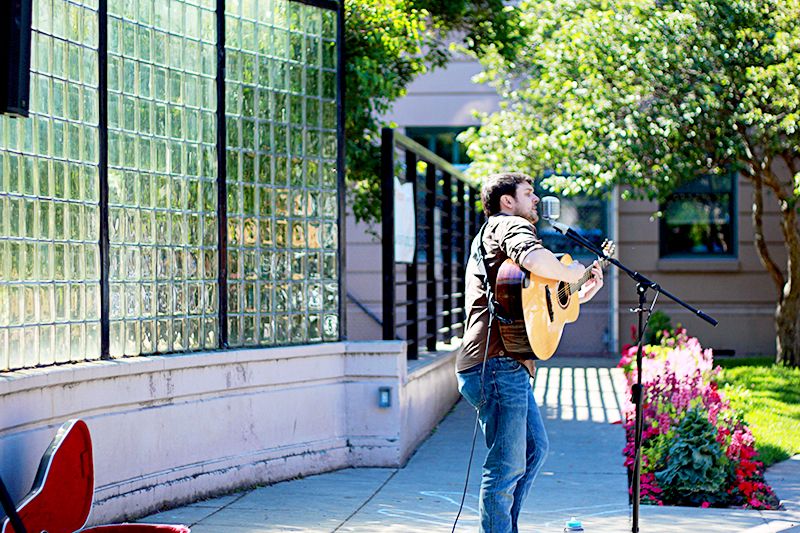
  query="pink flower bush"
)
[{"x": 680, "y": 403}]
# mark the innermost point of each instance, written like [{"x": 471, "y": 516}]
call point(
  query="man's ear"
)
[{"x": 507, "y": 201}]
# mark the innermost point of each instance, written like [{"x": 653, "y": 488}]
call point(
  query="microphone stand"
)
[{"x": 643, "y": 284}]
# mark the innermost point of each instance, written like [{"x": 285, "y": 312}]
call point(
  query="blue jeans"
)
[{"x": 515, "y": 436}]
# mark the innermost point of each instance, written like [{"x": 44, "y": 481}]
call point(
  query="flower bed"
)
[{"x": 696, "y": 450}]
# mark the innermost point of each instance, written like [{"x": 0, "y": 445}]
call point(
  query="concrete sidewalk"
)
[{"x": 583, "y": 477}]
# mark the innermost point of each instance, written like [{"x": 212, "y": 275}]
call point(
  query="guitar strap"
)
[{"x": 478, "y": 253}]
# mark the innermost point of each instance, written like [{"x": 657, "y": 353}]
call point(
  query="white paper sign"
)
[{"x": 405, "y": 226}]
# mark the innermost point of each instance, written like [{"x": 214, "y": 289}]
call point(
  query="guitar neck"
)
[{"x": 575, "y": 287}]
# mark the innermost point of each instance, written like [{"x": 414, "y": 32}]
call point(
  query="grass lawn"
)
[{"x": 769, "y": 397}]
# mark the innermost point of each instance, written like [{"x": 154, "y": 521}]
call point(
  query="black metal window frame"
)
[
  {"x": 104, "y": 244},
  {"x": 592, "y": 228},
  {"x": 690, "y": 190}
]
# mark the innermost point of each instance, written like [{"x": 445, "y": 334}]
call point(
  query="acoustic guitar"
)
[{"x": 535, "y": 309}]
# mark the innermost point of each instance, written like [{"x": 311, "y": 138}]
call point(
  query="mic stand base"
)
[{"x": 636, "y": 399}]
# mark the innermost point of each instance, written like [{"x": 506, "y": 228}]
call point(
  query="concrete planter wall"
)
[{"x": 172, "y": 429}]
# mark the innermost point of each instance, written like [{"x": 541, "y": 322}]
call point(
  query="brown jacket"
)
[{"x": 505, "y": 236}]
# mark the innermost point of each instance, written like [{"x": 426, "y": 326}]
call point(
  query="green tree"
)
[
  {"x": 387, "y": 44},
  {"x": 649, "y": 94}
]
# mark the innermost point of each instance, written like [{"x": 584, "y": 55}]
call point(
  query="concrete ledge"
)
[
  {"x": 430, "y": 393},
  {"x": 172, "y": 429},
  {"x": 704, "y": 264}
]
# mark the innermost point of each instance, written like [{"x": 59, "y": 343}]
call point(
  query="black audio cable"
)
[{"x": 477, "y": 419}]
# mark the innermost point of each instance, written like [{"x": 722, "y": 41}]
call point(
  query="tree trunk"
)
[
  {"x": 787, "y": 323},
  {"x": 787, "y": 341},
  {"x": 787, "y": 312}
]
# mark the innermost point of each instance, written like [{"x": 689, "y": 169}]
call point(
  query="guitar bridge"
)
[{"x": 548, "y": 298}]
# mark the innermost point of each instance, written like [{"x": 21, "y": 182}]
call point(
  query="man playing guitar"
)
[{"x": 492, "y": 379}]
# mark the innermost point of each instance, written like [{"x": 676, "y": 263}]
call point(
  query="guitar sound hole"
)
[{"x": 563, "y": 294}]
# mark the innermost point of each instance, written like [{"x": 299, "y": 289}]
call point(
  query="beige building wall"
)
[
  {"x": 364, "y": 301},
  {"x": 445, "y": 97},
  {"x": 737, "y": 292}
]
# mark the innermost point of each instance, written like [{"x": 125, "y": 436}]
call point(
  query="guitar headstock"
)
[{"x": 608, "y": 247}]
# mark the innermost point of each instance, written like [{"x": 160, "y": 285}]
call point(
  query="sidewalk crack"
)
[
  {"x": 244, "y": 493},
  {"x": 388, "y": 479}
]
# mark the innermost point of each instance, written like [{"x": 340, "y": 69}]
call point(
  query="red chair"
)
[{"x": 62, "y": 493}]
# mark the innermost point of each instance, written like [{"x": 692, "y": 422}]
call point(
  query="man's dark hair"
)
[{"x": 497, "y": 185}]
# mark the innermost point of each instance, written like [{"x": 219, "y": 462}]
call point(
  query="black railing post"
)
[
  {"x": 447, "y": 256},
  {"x": 477, "y": 216},
  {"x": 430, "y": 274},
  {"x": 412, "y": 272},
  {"x": 387, "y": 225},
  {"x": 461, "y": 247}
]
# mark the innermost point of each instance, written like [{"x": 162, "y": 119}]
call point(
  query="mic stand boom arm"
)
[
  {"x": 636, "y": 276},
  {"x": 642, "y": 284}
]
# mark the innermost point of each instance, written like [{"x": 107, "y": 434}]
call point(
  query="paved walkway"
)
[{"x": 583, "y": 477}]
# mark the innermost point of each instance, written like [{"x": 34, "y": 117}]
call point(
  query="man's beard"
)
[{"x": 532, "y": 215}]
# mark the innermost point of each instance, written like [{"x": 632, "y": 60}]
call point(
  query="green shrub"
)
[{"x": 695, "y": 468}]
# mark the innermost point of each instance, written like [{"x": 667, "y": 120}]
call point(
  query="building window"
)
[
  {"x": 155, "y": 150},
  {"x": 698, "y": 220},
  {"x": 442, "y": 142},
  {"x": 282, "y": 175},
  {"x": 50, "y": 200},
  {"x": 162, "y": 179}
]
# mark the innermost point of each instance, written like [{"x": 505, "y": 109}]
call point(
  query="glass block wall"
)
[
  {"x": 162, "y": 150},
  {"x": 281, "y": 122},
  {"x": 162, "y": 176},
  {"x": 49, "y": 199}
]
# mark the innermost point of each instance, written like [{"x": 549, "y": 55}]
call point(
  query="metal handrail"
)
[
  {"x": 429, "y": 157},
  {"x": 458, "y": 226}
]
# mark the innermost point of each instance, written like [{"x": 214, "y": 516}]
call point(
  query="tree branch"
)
[
  {"x": 760, "y": 165},
  {"x": 791, "y": 233},
  {"x": 760, "y": 242},
  {"x": 791, "y": 163}
]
